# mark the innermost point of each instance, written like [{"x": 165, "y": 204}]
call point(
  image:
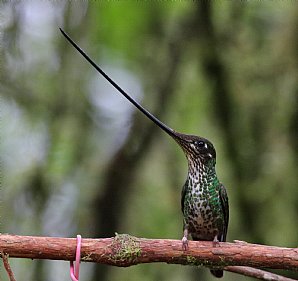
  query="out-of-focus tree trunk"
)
[
  {"x": 223, "y": 106},
  {"x": 119, "y": 177}
]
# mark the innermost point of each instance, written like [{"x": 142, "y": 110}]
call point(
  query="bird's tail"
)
[{"x": 217, "y": 273}]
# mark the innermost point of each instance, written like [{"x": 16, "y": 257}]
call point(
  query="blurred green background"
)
[{"x": 76, "y": 157}]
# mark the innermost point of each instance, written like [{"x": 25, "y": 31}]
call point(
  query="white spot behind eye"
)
[{"x": 206, "y": 145}]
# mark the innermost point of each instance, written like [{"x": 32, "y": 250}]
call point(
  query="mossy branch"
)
[{"x": 125, "y": 250}]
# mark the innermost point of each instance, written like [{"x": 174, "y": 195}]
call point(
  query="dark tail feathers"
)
[{"x": 217, "y": 273}]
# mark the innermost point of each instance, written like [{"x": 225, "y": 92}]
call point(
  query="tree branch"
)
[
  {"x": 257, "y": 273},
  {"x": 7, "y": 266},
  {"x": 125, "y": 250}
]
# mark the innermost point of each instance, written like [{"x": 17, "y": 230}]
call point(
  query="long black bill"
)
[{"x": 167, "y": 129}]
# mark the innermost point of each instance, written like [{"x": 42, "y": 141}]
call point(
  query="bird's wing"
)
[
  {"x": 225, "y": 208},
  {"x": 183, "y": 193}
]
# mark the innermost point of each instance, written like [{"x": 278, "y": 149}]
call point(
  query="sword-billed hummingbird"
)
[{"x": 204, "y": 200}]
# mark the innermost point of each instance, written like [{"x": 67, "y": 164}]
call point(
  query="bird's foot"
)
[
  {"x": 215, "y": 242},
  {"x": 184, "y": 239},
  {"x": 184, "y": 243}
]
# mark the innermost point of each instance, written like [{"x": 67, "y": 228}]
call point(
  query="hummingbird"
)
[{"x": 204, "y": 200}]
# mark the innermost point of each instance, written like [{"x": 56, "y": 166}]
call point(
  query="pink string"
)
[{"x": 75, "y": 271}]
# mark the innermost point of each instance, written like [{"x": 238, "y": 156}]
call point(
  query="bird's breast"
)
[{"x": 202, "y": 212}]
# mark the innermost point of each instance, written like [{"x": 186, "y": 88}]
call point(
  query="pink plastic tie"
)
[{"x": 75, "y": 271}]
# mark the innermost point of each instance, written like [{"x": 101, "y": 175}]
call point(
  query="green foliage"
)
[{"x": 228, "y": 73}]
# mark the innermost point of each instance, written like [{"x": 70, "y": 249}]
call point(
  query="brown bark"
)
[
  {"x": 257, "y": 273},
  {"x": 125, "y": 250},
  {"x": 7, "y": 267}
]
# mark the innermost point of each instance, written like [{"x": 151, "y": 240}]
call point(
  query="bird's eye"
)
[{"x": 200, "y": 144}]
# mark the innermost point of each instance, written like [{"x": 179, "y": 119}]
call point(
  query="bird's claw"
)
[
  {"x": 184, "y": 244},
  {"x": 215, "y": 242}
]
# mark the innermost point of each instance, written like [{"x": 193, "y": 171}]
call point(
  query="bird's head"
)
[{"x": 199, "y": 151}]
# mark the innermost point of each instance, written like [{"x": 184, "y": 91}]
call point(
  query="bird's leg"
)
[
  {"x": 215, "y": 241},
  {"x": 185, "y": 240}
]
